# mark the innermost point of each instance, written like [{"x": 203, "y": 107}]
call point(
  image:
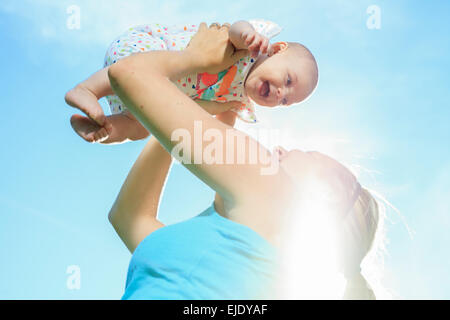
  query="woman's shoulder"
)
[{"x": 210, "y": 225}]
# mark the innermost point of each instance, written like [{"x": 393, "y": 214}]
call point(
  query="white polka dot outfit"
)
[{"x": 225, "y": 86}]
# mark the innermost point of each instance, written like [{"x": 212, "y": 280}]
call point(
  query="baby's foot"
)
[
  {"x": 124, "y": 127},
  {"x": 84, "y": 100},
  {"x": 88, "y": 129}
]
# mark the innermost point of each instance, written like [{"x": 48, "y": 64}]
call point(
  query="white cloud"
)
[{"x": 102, "y": 21}]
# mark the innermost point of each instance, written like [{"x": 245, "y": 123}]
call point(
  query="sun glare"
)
[{"x": 309, "y": 267}]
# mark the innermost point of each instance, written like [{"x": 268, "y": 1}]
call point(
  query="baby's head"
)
[{"x": 287, "y": 75}]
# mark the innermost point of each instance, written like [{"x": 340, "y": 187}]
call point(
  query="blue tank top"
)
[{"x": 205, "y": 257}]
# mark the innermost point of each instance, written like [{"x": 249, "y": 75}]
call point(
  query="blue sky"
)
[{"x": 382, "y": 106}]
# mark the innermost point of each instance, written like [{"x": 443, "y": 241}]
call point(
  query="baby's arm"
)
[
  {"x": 214, "y": 107},
  {"x": 244, "y": 36},
  {"x": 86, "y": 94}
]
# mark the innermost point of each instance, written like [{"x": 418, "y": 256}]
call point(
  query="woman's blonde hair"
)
[{"x": 359, "y": 230}]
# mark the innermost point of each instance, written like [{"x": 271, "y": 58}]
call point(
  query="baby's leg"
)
[
  {"x": 124, "y": 127},
  {"x": 86, "y": 94}
]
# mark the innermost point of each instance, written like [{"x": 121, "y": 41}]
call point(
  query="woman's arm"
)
[
  {"x": 134, "y": 213},
  {"x": 143, "y": 82},
  {"x": 229, "y": 118}
]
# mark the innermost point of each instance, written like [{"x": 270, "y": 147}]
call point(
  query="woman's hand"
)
[{"x": 211, "y": 50}]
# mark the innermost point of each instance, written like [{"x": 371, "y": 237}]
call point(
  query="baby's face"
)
[{"x": 285, "y": 78}]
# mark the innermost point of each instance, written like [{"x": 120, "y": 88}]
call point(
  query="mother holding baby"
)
[{"x": 230, "y": 250}]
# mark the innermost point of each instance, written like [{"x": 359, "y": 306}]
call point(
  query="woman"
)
[{"x": 229, "y": 250}]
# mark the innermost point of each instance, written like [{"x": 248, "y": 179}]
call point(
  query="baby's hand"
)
[{"x": 255, "y": 42}]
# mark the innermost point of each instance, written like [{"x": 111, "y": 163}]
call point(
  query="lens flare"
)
[{"x": 309, "y": 267}]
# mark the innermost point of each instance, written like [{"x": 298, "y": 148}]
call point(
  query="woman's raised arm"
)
[
  {"x": 143, "y": 82},
  {"x": 134, "y": 213}
]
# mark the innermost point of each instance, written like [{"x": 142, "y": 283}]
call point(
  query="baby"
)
[{"x": 282, "y": 73}]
